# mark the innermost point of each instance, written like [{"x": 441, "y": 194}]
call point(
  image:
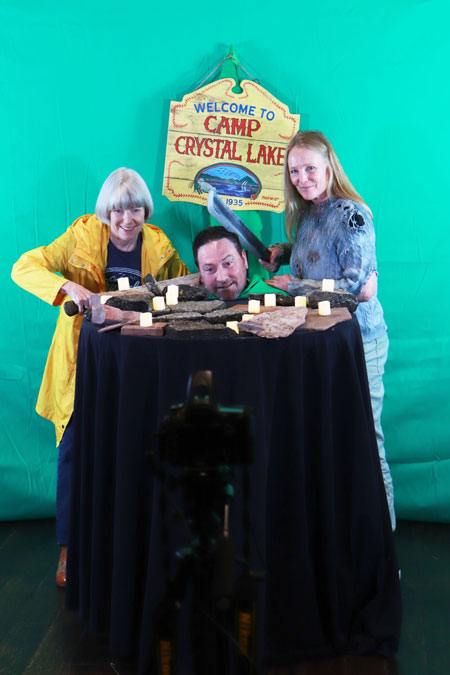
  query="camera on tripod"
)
[
  {"x": 205, "y": 443},
  {"x": 200, "y": 434}
]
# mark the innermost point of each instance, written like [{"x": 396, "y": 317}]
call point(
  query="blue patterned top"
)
[{"x": 336, "y": 240}]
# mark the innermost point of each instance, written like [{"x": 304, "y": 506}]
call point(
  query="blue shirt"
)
[
  {"x": 336, "y": 240},
  {"x": 123, "y": 264}
]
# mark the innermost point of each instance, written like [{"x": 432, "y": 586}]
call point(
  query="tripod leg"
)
[
  {"x": 245, "y": 625},
  {"x": 165, "y": 622}
]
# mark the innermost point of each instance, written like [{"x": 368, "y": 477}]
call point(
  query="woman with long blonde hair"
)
[
  {"x": 338, "y": 183},
  {"x": 331, "y": 236}
]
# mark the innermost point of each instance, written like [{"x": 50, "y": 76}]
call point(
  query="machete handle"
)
[
  {"x": 265, "y": 255},
  {"x": 71, "y": 308}
]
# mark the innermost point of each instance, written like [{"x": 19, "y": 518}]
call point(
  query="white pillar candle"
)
[
  {"x": 158, "y": 303},
  {"x": 233, "y": 325},
  {"x": 146, "y": 319},
  {"x": 123, "y": 284},
  {"x": 173, "y": 289},
  {"x": 300, "y": 301},
  {"x": 328, "y": 285},
  {"x": 104, "y": 298},
  {"x": 172, "y": 294},
  {"x": 324, "y": 308},
  {"x": 254, "y": 306},
  {"x": 270, "y": 299},
  {"x": 247, "y": 317},
  {"x": 171, "y": 300}
]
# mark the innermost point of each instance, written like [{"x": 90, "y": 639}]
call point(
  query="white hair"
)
[{"x": 123, "y": 189}]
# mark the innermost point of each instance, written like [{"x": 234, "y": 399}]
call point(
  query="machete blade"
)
[{"x": 226, "y": 217}]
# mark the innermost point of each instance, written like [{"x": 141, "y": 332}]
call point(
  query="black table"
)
[{"x": 320, "y": 521}]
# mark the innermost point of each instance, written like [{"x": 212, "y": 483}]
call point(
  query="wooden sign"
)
[{"x": 233, "y": 141}]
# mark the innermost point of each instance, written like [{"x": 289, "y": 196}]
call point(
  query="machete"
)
[{"x": 226, "y": 217}]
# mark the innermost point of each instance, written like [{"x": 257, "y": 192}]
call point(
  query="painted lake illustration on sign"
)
[{"x": 229, "y": 179}]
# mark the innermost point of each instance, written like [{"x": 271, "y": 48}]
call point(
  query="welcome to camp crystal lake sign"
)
[{"x": 234, "y": 141}]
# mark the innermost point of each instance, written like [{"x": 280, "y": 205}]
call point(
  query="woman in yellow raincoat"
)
[{"x": 88, "y": 258}]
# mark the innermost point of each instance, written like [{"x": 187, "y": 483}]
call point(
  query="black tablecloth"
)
[{"x": 320, "y": 521}]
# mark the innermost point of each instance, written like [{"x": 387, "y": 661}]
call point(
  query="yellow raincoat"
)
[{"x": 80, "y": 255}]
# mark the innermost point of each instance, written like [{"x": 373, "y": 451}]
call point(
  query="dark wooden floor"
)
[{"x": 38, "y": 636}]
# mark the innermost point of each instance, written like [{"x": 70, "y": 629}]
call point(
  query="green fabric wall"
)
[{"x": 85, "y": 88}]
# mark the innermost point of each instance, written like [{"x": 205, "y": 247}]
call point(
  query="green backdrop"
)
[{"x": 85, "y": 88}]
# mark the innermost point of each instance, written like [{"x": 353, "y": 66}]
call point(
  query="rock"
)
[
  {"x": 185, "y": 291},
  {"x": 282, "y": 300},
  {"x": 203, "y": 329},
  {"x": 192, "y": 293},
  {"x": 336, "y": 299},
  {"x": 202, "y": 306},
  {"x": 136, "y": 302},
  {"x": 224, "y": 315},
  {"x": 279, "y": 323},
  {"x": 179, "y": 316},
  {"x": 152, "y": 284}
]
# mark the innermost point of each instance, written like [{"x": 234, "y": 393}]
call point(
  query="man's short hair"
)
[{"x": 214, "y": 234}]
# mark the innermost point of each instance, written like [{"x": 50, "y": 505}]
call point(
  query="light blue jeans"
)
[{"x": 376, "y": 352}]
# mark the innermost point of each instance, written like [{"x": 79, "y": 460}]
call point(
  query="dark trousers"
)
[{"x": 63, "y": 482}]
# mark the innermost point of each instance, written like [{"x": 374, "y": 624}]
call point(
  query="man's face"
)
[{"x": 223, "y": 270}]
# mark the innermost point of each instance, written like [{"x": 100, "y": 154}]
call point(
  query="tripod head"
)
[{"x": 200, "y": 434}]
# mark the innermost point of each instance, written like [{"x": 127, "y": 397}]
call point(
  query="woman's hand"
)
[
  {"x": 275, "y": 259},
  {"x": 280, "y": 282},
  {"x": 369, "y": 288},
  {"x": 79, "y": 294}
]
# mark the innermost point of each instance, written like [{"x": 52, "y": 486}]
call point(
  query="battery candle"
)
[
  {"x": 254, "y": 306},
  {"x": 172, "y": 294},
  {"x": 270, "y": 299},
  {"x": 146, "y": 319},
  {"x": 123, "y": 284},
  {"x": 247, "y": 317},
  {"x": 158, "y": 303},
  {"x": 328, "y": 285},
  {"x": 324, "y": 308},
  {"x": 233, "y": 325},
  {"x": 104, "y": 298},
  {"x": 300, "y": 301}
]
